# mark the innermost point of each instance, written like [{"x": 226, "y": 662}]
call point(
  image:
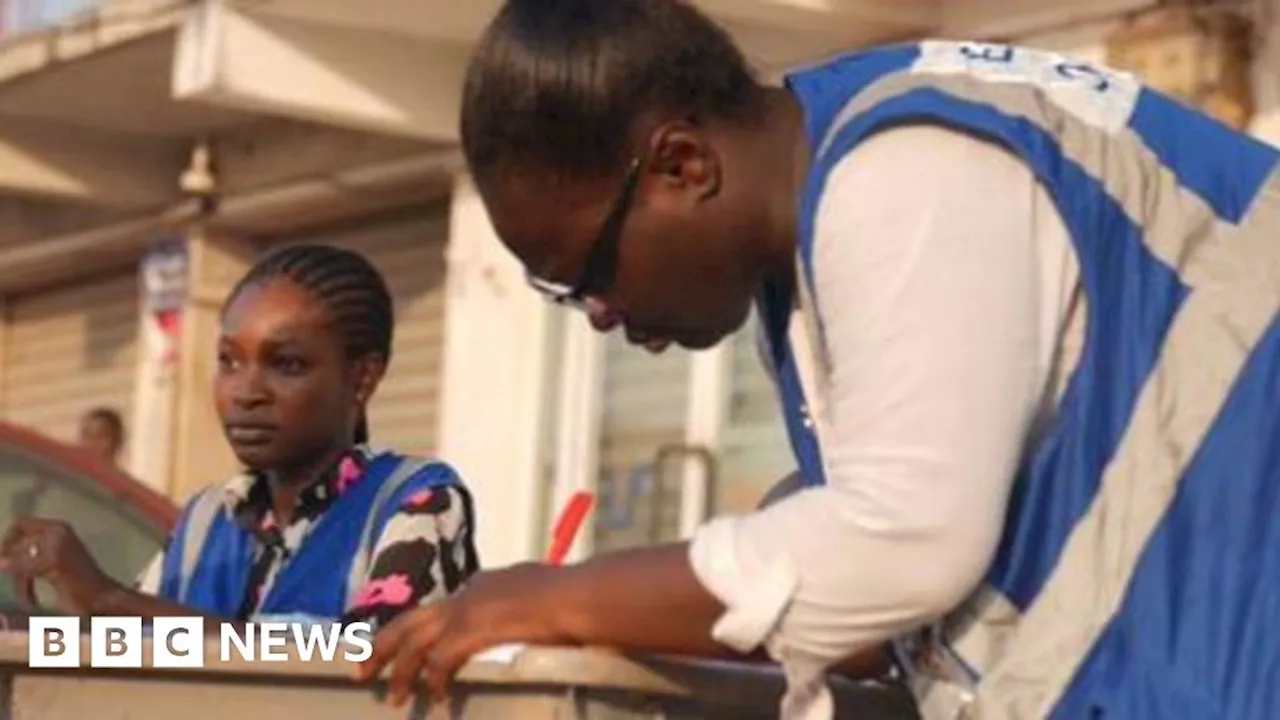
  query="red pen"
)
[{"x": 568, "y": 525}]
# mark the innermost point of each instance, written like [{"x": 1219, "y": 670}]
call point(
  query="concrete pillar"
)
[
  {"x": 493, "y": 402},
  {"x": 707, "y": 414},
  {"x": 579, "y": 408},
  {"x": 1266, "y": 121},
  {"x": 200, "y": 456},
  {"x": 154, "y": 397}
]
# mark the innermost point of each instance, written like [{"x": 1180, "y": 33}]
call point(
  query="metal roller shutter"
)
[
  {"x": 69, "y": 349},
  {"x": 754, "y": 452},
  {"x": 408, "y": 248},
  {"x": 645, "y": 399}
]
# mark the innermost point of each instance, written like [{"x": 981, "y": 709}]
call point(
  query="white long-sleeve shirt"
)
[{"x": 944, "y": 280}]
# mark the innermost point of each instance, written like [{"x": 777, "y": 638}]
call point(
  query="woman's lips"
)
[{"x": 251, "y": 434}]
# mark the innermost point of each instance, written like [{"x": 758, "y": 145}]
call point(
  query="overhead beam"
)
[
  {"x": 851, "y": 18},
  {"x": 24, "y": 219},
  {"x": 277, "y": 151},
  {"x": 342, "y": 76},
  {"x": 463, "y": 22},
  {"x": 36, "y": 262},
  {"x": 773, "y": 33},
  {"x": 412, "y": 180},
  {"x": 1008, "y": 19},
  {"x": 42, "y": 159},
  {"x": 31, "y": 257}
]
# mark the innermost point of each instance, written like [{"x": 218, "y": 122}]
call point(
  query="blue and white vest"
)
[
  {"x": 210, "y": 555},
  {"x": 1139, "y": 571}
]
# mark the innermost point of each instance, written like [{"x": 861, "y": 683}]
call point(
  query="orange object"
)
[{"x": 568, "y": 525}]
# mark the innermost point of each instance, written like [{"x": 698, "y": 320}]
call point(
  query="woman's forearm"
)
[{"x": 127, "y": 601}]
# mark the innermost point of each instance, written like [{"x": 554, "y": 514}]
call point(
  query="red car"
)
[{"x": 122, "y": 522}]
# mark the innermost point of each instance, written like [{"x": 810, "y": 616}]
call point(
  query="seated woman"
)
[{"x": 317, "y": 525}]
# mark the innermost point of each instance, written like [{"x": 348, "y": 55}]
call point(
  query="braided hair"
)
[
  {"x": 349, "y": 285},
  {"x": 559, "y": 85}
]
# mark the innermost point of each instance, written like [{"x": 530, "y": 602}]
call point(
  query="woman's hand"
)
[
  {"x": 49, "y": 549},
  {"x": 514, "y": 604}
]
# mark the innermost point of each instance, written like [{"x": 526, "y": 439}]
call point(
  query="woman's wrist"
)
[{"x": 109, "y": 597}]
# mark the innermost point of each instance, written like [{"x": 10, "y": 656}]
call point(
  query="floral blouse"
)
[{"x": 426, "y": 552}]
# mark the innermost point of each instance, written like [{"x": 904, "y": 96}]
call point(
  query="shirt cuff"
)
[{"x": 755, "y": 589}]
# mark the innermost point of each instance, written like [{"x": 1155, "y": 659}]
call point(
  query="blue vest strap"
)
[
  {"x": 204, "y": 511},
  {"x": 187, "y": 544},
  {"x": 406, "y": 475}
]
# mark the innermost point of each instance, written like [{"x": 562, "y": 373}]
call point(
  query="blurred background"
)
[{"x": 151, "y": 149}]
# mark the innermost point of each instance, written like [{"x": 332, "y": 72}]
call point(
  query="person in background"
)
[
  {"x": 102, "y": 434},
  {"x": 318, "y": 524},
  {"x": 1023, "y": 312}
]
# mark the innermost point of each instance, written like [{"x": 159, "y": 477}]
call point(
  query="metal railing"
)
[
  {"x": 18, "y": 17},
  {"x": 644, "y": 504}
]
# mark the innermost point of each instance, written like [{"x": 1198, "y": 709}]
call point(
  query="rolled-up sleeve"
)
[{"x": 927, "y": 284}]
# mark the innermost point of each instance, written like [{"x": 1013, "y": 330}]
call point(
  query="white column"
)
[
  {"x": 1266, "y": 120},
  {"x": 493, "y": 372},
  {"x": 198, "y": 454},
  {"x": 577, "y": 432},
  {"x": 155, "y": 398},
  {"x": 709, "y": 380}
]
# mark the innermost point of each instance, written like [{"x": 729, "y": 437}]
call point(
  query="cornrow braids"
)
[{"x": 350, "y": 287}]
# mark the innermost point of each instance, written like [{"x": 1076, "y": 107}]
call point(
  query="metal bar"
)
[{"x": 702, "y": 455}]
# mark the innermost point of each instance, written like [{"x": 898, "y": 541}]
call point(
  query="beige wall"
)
[
  {"x": 1087, "y": 42},
  {"x": 199, "y": 455}
]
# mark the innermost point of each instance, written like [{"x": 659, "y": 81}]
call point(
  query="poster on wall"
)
[
  {"x": 163, "y": 287},
  {"x": 164, "y": 291}
]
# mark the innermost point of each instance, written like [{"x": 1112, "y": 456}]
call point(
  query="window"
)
[
  {"x": 754, "y": 452},
  {"x": 644, "y": 406},
  {"x": 118, "y": 536}
]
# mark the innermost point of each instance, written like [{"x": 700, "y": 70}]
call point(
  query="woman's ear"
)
[{"x": 368, "y": 373}]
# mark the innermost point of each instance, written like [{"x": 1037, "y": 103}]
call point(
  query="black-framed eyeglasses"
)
[{"x": 600, "y": 267}]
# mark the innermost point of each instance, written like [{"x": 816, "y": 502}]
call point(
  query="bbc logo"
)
[
  {"x": 115, "y": 642},
  {"x": 179, "y": 642}
]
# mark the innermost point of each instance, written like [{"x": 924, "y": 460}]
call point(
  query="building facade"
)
[{"x": 151, "y": 149}]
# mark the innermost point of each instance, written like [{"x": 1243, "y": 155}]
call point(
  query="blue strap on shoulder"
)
[
  {"x": 430, "y": 475},
  {"x": 171, "y": 566}
]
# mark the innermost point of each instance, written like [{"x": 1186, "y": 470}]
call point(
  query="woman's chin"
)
[{"x": 255, "y": 457}]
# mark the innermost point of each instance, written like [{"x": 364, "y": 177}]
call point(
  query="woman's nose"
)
[
  {"x": 251, "y": 399},
  {"x": 249, "y": 390}
]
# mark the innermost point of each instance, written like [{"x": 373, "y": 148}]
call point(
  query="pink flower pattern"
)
[
  {"x": 349, "y": 473},
  {"x": 418, "y": 500},
  {"x": 390, "y": 590}
]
